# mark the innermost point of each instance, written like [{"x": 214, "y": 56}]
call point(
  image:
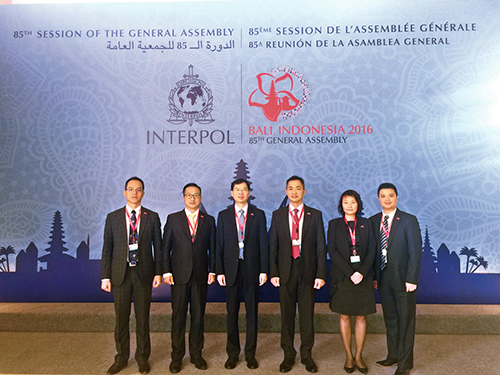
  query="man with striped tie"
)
[{"x": 397, "y": 267}]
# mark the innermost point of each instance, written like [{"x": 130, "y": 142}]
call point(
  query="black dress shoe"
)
[
  {"x": 287, "y": 364},
  {"x": 175, "y": 367},
  {"x": 310, "y": 365},
  {"x": 199, "y": 363},
  {"x": 144, "y": 368},
  {"x": 349, "y": 370},
  {"x": 231, "y": 363},
  {"x": 117, "y": 367},
  {"x": 252, "y": 363},
  {"x": 387, "y": 362},
  {"x": 363, "y": 370},
  {"x": 402, "y": 372}
]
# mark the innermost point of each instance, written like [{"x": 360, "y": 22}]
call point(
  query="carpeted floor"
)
[{"x": 92, "y": 353}]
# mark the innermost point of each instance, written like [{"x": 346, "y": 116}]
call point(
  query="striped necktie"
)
[{"x": 383, "y": 242}]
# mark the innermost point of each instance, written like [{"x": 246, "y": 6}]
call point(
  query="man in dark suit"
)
[
  {"x": 242, "y": 264},
  {"x": 189, "y": 253},
  {"x": 397, "y": 267},
  {"x": 298, "y": 268},
  {"x": 130, "y": 269}
]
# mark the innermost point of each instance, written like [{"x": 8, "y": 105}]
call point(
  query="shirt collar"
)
[
  {"x": 237, "y": 209},
  {"x": 291, "y": 208},
  {"x": 188, "y": 213},
  {"x": 129, "y": 209}
]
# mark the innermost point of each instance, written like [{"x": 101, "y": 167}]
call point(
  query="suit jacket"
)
[
  {"x": 115, "y": 247},
  {"x": 184, "y": 258},
  {"x": 313, "y": 248},
  {"x": 404, "y": 249},
  {"x": 339, "y": 248},
  {"x": 256, "y": 247}
]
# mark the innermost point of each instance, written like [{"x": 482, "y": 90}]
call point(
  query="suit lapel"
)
[
  {"x": 394, "y": 227},
  {"x": 201, "y": 222},
  {"x": 307, "y": 220},
  {"x": 143, "y": 223},
  {"x": 250, "y": 219},
  {"x": 285, "y": 222},
  {"x": 122, "y": 228}
]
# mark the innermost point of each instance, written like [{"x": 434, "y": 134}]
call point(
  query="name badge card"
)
[
  {"x": 355, "y": 259},
  {"x": 295, "y": 242}
]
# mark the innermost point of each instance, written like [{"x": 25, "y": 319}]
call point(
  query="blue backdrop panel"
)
[{"x": 347, "y": 94}]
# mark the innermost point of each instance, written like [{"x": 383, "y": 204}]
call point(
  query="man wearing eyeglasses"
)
[
  {"x": 129, "y": 269},
  {"x": 242, "y": 264},
  {"x": 189, "y": 264}
]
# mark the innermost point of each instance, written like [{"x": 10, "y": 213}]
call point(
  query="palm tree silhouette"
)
[
  {"x": 469, "y": 253},
  {"x": 2, "y": 267},
  {"x": 6, "y": 251},
  {"x": 480, "y": 261}
]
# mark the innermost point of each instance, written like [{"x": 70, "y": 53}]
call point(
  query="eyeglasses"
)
[
  {"x": 189, "y": 196},
  {"x": 131, "y": 190}
]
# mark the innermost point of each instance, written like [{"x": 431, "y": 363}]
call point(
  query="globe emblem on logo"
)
[{"x": 190, "y": 101}]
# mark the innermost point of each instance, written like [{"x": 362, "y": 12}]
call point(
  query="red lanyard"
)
[
  {"x": 297, "y": 221},
  {"x": 134, "y": 227},
  {"x": 242, "y": 226},
  {"x": 352, "y": 234},
  {"x": 191, "y": 228}
]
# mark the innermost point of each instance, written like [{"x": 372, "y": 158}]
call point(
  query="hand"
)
[
  {"x": 211, "y": 278},
  {"x": 375, "y": 284},
  {"x": 157, "y": 281},
  {"x": 356, "y": 278},
  {"x": 221, "y": 280},
  {"x": 169, "y": 280},
  {"x": 410, "y": 287},
  {"x": 275, "y": 281},
  {"x": 262, "y": 279},
  {"x": 106, "y": 285},
  {"x": 318, "y": 283}
]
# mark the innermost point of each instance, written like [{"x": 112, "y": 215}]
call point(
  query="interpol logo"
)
[
  {"x": 190, "y": 100},
  {"x": 282, "y": 93}
]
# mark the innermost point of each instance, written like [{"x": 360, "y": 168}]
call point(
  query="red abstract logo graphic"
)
[{"x": 274, "y": 94}]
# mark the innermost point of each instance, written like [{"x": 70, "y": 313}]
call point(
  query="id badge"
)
[
  {"x": 241, "y": 245},
  {"x": 384, "y": 253},
  {"x": 355, "y": 259},
  {"x": 133, "y": 247},
  {"x": 295, "y": 242}
]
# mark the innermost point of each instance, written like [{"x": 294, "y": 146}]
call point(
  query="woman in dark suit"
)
[{"x": 351, "y": 245}]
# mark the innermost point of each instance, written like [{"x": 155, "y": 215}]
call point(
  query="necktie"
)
[
  {"x": 295, "y": 231},
  {"x": 133, "y": 232},
  {"x": 193, "y": 225},
  {"x": 383, "y": 242},
  {"x": 241, "y": 230}
]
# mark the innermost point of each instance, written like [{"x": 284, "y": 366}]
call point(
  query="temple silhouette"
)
[{"x": 57, "y": 276}]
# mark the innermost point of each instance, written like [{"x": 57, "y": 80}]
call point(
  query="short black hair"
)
[
  {"x": 356, "y": 196},
  {"x": 135, "y": 178},
  {"x": 296, "y": 178},
  {"x": 240, "y": 181},
  {"x": 189, "y": 185},
  {"x": 387, "y": 185}
]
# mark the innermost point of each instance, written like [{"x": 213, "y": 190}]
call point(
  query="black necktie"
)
[{"x": 133, "y": 233}]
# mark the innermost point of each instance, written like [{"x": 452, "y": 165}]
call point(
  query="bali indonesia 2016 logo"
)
[
  {"x": 191, "y": 100},
  {"x": 276, "y": 95}
]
